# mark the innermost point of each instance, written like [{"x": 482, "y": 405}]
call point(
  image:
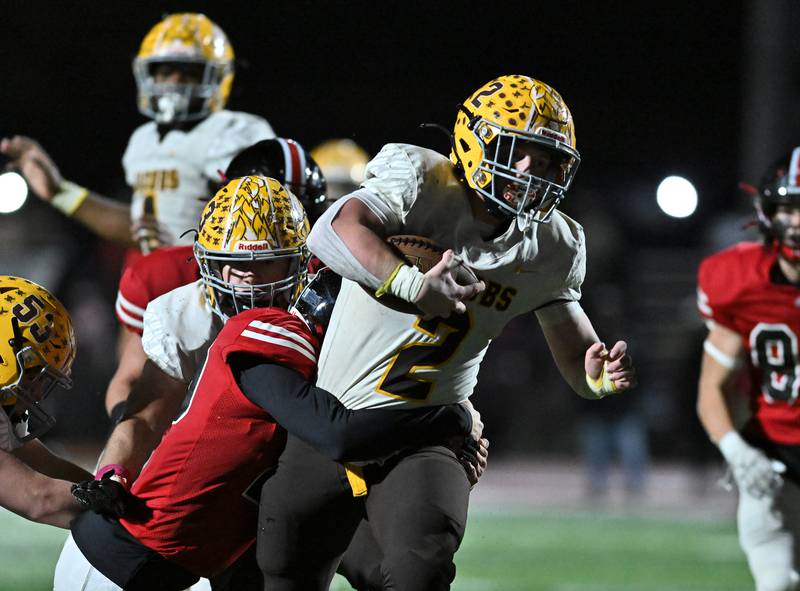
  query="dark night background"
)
[{"x": 703, "y": 90}]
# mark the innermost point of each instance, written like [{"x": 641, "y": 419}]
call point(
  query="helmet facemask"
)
[
  {"x": 35, "y": 380},
  {"x": 510, "y": 193},
  {"x": 780, "y": 188},
  {"x": 228, "y": 299},
  {"x": 171, "y": 102}
]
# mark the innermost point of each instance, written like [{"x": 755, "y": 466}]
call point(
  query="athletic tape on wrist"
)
[
  {"x": 69, "y": 197},
  {"x": 383, "y": 289},
  {"x": 121, "y": 473},
  {"x": 602, "y": 385},
  {"x": 405, "y": 282}
]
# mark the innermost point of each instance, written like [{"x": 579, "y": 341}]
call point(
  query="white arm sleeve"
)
[
  {"x": 325, "y": 243},
  {"x": 161, "y": 347}
]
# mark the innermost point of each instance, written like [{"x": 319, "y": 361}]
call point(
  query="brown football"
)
[{"x": 422, "y": 253}]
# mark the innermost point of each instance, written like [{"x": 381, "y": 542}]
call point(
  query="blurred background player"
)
[
  {"x": 749, "y": 295},
  {"x": 494, "y": 204},
  {"x": 184, "y": 73},
  {"x": 171, "y": 267},
  {"x": 37, "y": 348},
  {"x": 343, "y": 163}
]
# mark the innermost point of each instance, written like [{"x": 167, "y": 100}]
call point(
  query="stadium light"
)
[
  {"x": 676, "y": 197},
  {"x": 13, "y": 192}
]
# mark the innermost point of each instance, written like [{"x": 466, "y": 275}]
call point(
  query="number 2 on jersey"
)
[
  {"x": 774, "y": 349},
  {"x": 400, "y": 379}
]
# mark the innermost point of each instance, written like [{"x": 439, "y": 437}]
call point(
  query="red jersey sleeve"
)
[
  {"x": 276, "y": 335},
  {"x": 150, "y": 277},
  {"x": 718, "y": 284}
]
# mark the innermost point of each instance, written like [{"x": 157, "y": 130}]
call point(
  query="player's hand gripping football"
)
[
  {"x": 34, "y": 163},
  {"x": 609, "y": 372},
  {"x": 104, "y": 496},
  {"x": 440, "y": 294},
  {"x": 751, "y": 468}
]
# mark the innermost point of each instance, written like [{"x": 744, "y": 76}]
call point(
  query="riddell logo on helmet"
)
[
  {"x": 258, "y": 245},
  {"x": 554, "y": 135}
]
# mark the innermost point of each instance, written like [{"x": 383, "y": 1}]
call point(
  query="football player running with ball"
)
[
  {"x": 195, "y": 506},
  {"x": 493, "y": 204},
  {"x": 37, "y": 348},
  {"x": 184, "y": 73},
  {"x": 749, "y": 294}
]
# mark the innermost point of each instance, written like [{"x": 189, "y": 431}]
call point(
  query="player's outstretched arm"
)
[
  {"x": 317, "y": 417},
  {"x": 751, "y": 468},
  {"x": 36, "y": 455},
  {"x": 35, "y": 496},
  {"x": 590, "y": 369},
  {"x": 129, "y": 369},
  {"x": 105, "y": 217},
  {"x": 152, "y": 405}
]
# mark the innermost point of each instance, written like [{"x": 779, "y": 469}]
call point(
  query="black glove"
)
[{"x": 104, "y": 496}]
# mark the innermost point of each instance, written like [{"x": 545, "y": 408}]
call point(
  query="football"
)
[{"x": 423, "y": 253}]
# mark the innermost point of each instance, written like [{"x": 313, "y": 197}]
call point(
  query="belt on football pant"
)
[{"x": 355, "y": 476}]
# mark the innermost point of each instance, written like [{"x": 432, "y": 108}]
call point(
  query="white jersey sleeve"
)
[
  {"x": 10, "y": 434},
  {"x": 179, "y": 327},
  {"x": 232, "y": 134}
]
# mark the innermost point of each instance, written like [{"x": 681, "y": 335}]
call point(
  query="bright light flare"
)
[
  {"x": 676, "y": 197},
  {"x": 13, "y": 192}
]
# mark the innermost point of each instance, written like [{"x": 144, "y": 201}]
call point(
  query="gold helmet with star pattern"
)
[
  {"x": 252, "y": 219},
  {"x": 495, "y": 127},
  {"x": 37, "y": 348},
  {"x": 192, "y": 42}
]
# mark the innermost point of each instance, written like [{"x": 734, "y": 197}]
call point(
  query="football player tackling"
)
[
  {"x": 749, "y": 293},
  {"x": 493, "y": 203}
]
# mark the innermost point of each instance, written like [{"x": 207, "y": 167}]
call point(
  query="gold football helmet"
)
[
  {"x": 252, "y": 218},
  {"x": 37, "y": 348},
  {"x": 186, "y": 40},
  {"x": 499, "y": 123},
  {"x": 343, "y": 163}
]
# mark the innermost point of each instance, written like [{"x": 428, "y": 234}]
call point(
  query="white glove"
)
[{"x": 752, "y": 469}]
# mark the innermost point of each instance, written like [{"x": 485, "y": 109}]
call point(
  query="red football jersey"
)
[
  {"x": 735, "y": 290},
  {"x": 200, "y": 485},
  {"x": 150, "y": 276}
]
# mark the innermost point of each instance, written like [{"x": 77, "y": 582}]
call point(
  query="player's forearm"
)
[
  {"x": 712, "y": 407},
  {"x": 131, "y": 443},
  {"x": 319, "y": 418},
  {"x": 107, "y": 218},
  {"x": 35, "y": 496},
  {"x": 36, "y": 455},
  {"x": 350, "y": 240}
]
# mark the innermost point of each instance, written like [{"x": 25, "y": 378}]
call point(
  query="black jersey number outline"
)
[
  {"x": 400, "y": 379},
  {"x": 28, "y": 310},
  {"x": 773, "y": 348}
]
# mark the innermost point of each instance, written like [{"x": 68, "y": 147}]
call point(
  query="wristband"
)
[
  {"x": 381, "y": 291},
  {"x": 602, "y": 385},
  {"x": 69, "y": 197},
  {"x": 405, "y": 282},
  {"x": 121, "y": 474}
]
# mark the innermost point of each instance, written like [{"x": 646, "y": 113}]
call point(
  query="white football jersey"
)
[
  {"x": 179, "y": 327},
  {"x": 373, "y": 356},
  {"x": 175, "y": 170},
  {"x": 10, "y": 434}
]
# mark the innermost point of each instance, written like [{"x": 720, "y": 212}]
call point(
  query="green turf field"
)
[{"x": 515, "y": 551}]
